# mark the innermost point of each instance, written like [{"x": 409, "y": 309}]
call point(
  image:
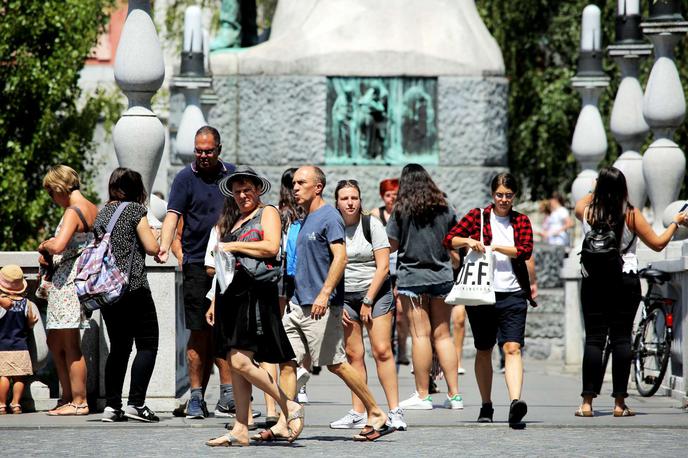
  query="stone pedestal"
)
[{"x": 574, "y": 330}]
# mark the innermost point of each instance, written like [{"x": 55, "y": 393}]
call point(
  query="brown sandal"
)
[
  {"x": 3, "y": 410},
  {"x": 626, "y": 412},
  {"x": 268, "y": 435},
  {"x": 584, "y": 413},
  {"x": 16, "y": 408}
]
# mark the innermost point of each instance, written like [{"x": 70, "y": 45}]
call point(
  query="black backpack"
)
[{"x": 601, "y": 256}]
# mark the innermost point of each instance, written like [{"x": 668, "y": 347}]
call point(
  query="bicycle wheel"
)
[{"x": 651, "y": 351}]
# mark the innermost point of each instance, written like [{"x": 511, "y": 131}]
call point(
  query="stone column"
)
[
  {"x": 627, "y": 122},
  {"x": 139, "y": 136},
  {"x": 589, "y": 143},
  {"x": 664, "y": 107}
]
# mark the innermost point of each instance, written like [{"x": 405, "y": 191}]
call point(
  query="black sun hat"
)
[{"x": 244, "y": 173}]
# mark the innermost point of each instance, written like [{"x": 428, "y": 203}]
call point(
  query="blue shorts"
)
[
  {"x": 436, "y": 290},
  {"x": 502, "y": 322}
]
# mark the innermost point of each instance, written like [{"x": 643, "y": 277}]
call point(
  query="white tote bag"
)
[{"x": 474, "y": 284}]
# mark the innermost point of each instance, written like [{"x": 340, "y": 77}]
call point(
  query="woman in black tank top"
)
[{"x": 246, "y": 317}]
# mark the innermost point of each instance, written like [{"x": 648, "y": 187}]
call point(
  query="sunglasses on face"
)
[{"x": 205, "y": 152}]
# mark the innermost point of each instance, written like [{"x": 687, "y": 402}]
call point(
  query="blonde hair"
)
[{"x": 62, "y": 179}]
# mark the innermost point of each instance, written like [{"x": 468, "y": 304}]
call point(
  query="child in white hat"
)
[{"x": 16, "y": 318}]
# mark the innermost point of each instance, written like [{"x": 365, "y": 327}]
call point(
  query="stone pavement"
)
[{"x": 659, "y": 429}]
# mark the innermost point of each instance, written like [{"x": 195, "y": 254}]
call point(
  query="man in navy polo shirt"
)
[{"x": 195, "y": 196}]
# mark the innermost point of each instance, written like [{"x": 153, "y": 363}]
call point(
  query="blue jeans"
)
[{"x": 436, "y": 290}]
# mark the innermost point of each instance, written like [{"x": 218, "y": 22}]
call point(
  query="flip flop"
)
[
  {"x": 16, "y": 408},
  {"x": 66, "y": 410},
  {"x": 296, "y": 416},
  {"x": 226, "y": 440},
  {"x": 268, "y": 435},
  {"x": 626, "y": 412},
  {"x": 369, "y": 433},
  {"x": 584, "y": 413}
]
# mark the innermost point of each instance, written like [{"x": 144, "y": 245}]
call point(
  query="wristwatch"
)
[{"x": 367, "y": 301}]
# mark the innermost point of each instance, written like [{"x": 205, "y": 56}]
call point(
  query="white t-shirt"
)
[
  {"x": 503, "y": 234},
  {"x": 554, "y": 223},
  {"x": 360, "y": 268}
]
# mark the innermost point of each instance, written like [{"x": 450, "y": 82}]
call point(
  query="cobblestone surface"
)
[{"x": 437, "y": 441}]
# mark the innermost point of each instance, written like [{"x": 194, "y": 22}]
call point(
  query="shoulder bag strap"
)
[
  {"x": 113, "y": 220},
  {"x": 81, "y": 217},
  {"x": 365, "y": 222}
]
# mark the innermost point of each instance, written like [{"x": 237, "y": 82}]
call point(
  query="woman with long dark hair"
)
[
  {"x": 133, "y": 319},
  {"x": 509, "y": 235},
  {"x": 419, "y": 222},
  {"x": 246, "y": 319},
  {"x": 610, "y": 301}
]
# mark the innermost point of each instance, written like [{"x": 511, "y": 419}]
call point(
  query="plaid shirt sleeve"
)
[
  {"x": 464, "y": 228},
  {"x": 523, "y": 235}
]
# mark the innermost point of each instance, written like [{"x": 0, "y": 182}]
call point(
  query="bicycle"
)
[{"x": 651, "y": 348}]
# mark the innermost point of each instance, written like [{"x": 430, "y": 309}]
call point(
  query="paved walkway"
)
[{"x": 659, "y": 429}]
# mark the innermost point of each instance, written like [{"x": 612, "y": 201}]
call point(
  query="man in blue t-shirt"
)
[
  {"x": 314, "y": 321},
  {"x": 195, "y": 196}
]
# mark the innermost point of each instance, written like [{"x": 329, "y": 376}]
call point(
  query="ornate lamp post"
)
[
  {"x": 589, "y": 143},
  {"x": 664, "y": 107},
  {"x": 627, "y": 122}
]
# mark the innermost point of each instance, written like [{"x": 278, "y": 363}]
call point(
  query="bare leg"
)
[
  {"x": 419, "y": 320},
  {"x": 243, "y": 367},
  {"x": 483, "y": 374},
  {"x": 56, "y": 346},
  {"x": 76, "y": 365},
  {"x": 17, "y": 389},
  {"x": 402, "y": 329},
  {"x": 270, "y": 406},
  {"x": 587, "y": 403},
  {"x": 440, "y": 315},
  {"x": 242, "y": 398},
  {"x": 4, "y": 390},
  {"x": 355, "y": 354},
  {"x": 513, "y": 369},
  {"x": 287, "y": 379},
  {"x": 459, "y": 330},
  {"x": 224, "y": 370},
  {"x": 197, "y": 357},
  {"x": 348, "y": 374},
  {"x": 379, "y": 330}
]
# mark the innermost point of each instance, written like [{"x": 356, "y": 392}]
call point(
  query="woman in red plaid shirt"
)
[{"x": 510, "y": 236}]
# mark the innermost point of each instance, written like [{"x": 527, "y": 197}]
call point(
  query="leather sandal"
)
[
  {"x": 70, "y": 410},
  {"x": 369, "y": 433},
  {"x": 3, "y": 410},
  {"x": 226, "y": 440},
  {"x": 16, "y": 408},
  {"x": 268, "y": 435},
  {"x": 298, "y": 416},
  {"x": 584, "y": 413}
]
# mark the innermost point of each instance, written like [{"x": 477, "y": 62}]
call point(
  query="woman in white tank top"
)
[{"x": 609, "y": 304}]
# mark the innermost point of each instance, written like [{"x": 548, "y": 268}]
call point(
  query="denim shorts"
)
[
  {"x": 436, "y": 290},
  {"x": 382, "y": 304}
]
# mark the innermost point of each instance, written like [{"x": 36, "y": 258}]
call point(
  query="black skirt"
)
[{"x": 247, "y": 317}]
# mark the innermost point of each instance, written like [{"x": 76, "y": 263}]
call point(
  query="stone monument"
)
[{"x": 362, "y": 88}]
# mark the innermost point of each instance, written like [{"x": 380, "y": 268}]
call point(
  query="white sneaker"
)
[
  {"x": 462, "y": 371},
  {"x": 352, "y": 420},
  {"x": 302, "y": 377},
  {"x": 302, "y": 397},
  {"x": 416, "y": 403},
  {"x": 455, "y": 402},
  {"x": 396, "y": 419}
]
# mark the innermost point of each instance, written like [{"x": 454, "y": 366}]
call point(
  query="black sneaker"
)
[
  {"x": 486, "y": 413},
  {"x": 227, "y": 410},
  {"x": 111, "y": 415},
  {"x": 204, "y": 407},
  {"x": 141, "y": 414},
  {"x": 517, "y": 411},
  {"x": 432, "y": 387}
]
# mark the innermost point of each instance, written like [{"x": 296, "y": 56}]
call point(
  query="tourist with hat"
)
[
  {"x": 16, "y": 318},
  {"x": 246, "y": 317}
]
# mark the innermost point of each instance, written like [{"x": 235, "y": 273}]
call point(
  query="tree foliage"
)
[
  {"x": 44, "y": 117},
  {"x": 539, "y": 41}
]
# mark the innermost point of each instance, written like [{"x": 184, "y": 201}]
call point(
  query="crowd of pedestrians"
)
[{"x": 307, "y": 280}]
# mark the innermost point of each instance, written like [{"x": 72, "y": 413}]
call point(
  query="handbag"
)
[{"x": 474, "y": 284}]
